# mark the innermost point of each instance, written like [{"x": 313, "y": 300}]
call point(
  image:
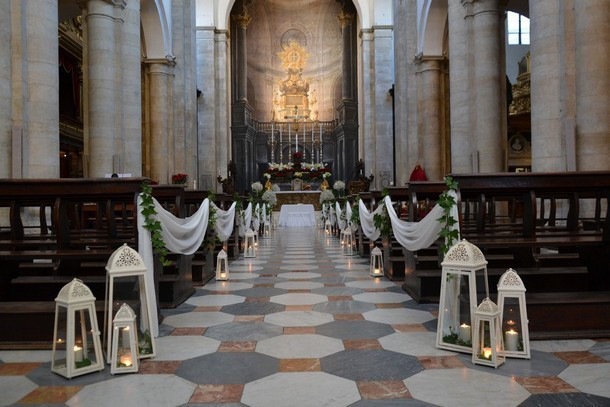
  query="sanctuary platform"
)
[{"x": 298, "y": 197}]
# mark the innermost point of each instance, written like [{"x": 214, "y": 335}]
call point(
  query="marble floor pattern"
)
[{"x": 301, "y": 325}]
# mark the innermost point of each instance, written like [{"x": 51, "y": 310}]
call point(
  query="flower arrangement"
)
[
  {"x": 339, "y": 186},
  {"x": 275, "y": 187},
  {"x": 327, "y": 196},
  {"x": 298, "y": 174},
  {"x": 180, "y": 179},
  {"x": 286, "y": 172},
  {"x": 270, "y": 198},
  {"x": 326, "y": 175},
  {"x": 267, "y": 175},
  {"x": 257, "y": 187}
]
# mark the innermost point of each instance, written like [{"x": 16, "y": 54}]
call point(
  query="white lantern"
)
[
  {"x": 222, "y": 266},
  {"x": 273, "y": 222},
  {"x": 513, "y": 314},
  {"x": 328, "y": 228},
  {"x": 77, "y": 349},
  {"x": 125, "y": 352},
  {"x": 458, "y": 299},
  {"x": 266, "y": 230},
  {"x": 376, "y": 267},
  {"x": 250, "y": 244},
  {"x": 126, "y": 283},
  {"x": 348, "y": 242},
  {"x": 487, "y": 344}
]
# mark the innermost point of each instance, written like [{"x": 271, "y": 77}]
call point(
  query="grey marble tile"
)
[
  {"x": 344, "y": 307},
  {"x": 371, "y": 365},
  {"x": 337, "y": 291},
  {"x": 228, "y": 367},
  {"x": 601, "y": 349},
  {"x": 240, "y": 332},
  {"x": 354, "y": 329},
  {"x": 43, "y": 376},
  {"x": 253, "y": 308},
  {"x": 431, "y": 325},
  {"x": 165, "y": 330},
  {"x": 541, "y": 364},
  {"x": 566, "y": 399},
  {"x": 261, "y": 292}
]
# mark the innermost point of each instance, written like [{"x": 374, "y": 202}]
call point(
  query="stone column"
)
[
  {"x": 461, "y": 133},
  {"x": 368, "y": 98},
  {"x": 41, "y": 150},
  {"x": 160, "y": 73},
  {"x": 592, "y": 84},
  {"x": 242, "y": 20},
  {"x": 490, "y": 138},
  {"x": 430, "y": 70},
  {"x": 101, "y": 66},
  {"x": 5, "y": 90},
  {"x": 132, "y": 94},
  {"x": 222, "y": 101},
  {"x": 345, "y": 20}
]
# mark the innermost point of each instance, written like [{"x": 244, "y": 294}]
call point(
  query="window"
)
[{"x": 518, "y": 29}]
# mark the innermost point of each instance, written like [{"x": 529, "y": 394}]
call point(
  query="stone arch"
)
[
  {"x": 156, "y": 29},
  {"x": 431, "y": 27}
]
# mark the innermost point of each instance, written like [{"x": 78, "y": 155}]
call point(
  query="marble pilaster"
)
[
  {"x": 5, "y": 90},
  {"x": 346, "y": 20},
  {"x": 431, "y": 70},
  {"x": 221, "y": 77},
  {"x": 368, "y": 108},
  {"x": 160, "y": 74},
  {"x": 592, "y": 35},
  {"x": 242, "y": 20}
]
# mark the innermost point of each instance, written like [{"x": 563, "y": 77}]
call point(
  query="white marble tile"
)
[
  {"x": 465, "y": 387},
  {"x": 300, "y": 256},
  {"x": 241, "y": 276},
  {"x": 299, "y": 261},
  {"x": 302, "y": 389},
  {"x": 372, "y": 283},
  {"x": 299, "y": 299},
  {"x": 382, "y": 298},
  {"x": 136, "y": 391},
  {"x": 355, "y": 274},
  {"x": 352, "y": 266},
  {"x": 299, "y": 346},
  {"x": 299, "y": 285},
  {"x": 413, "y": 343},
  {"x": 298, "y": 318},
  {"x": 215, "y": 300},
  {"x": 295, "y": 267},
  {"x": 298, "y": 276},
  {"x": 245, "y": 262},
  {"x": 198, "y": 319},
  {"x": 226, "y": 286},
  {"x": 567, "y": 345},
  {"x": 14, "y": 388},
  {"x": 182, "y": 347},
  {"x": 351, "y": 260},
  {"x": 591, "y": 378},
  {"x": 398, "y": 316},
  {"x": 17, "y": 356},
  {"x": 245, "y": 268}
]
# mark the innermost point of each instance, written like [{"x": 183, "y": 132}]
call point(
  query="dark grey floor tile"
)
[
  {"x": 344, "y": 307},
  {"x": 253, "y": 308},
  {"x": 541, "y": 364},
  {"x": 566, "y": 399},
  {"x": 355, "y": 329},
  {"x": 371, "y": 365},
  {"x": 228, "y": 367},
  {"x": 240, "y": 332},
  {"x": 260, "y": 291},
  {"x": 337, "y": 291}
]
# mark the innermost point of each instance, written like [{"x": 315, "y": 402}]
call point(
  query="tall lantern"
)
[
  {"x": 513, "y": 314},
  {"x": 376, "y": 267},
  {"x": 125, "y": 353},
  {"x": 126, "y": 283},
  {"x": 77, "y": 349},
  {"x": 487, "y": 344},
  {"x": 250, "y": 245},
  {"x": 458, "y": 299},
  {"x": 222, "y": 266},
  {"x": 348, "y": 242}
]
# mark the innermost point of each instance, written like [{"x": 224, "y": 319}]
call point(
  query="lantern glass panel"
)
[
  {"x": 130, "y": 290},
  {"x": 457, "y": 321},
  {"x": 483, "y": 350},
  {"x": 512, "y": 325},
  {"x": 59, "y": 358},
  {"x": 84, "y": 347},
  {"x": 124, "y": 353}
]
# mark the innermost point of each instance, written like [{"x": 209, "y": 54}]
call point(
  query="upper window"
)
[{"x": 518, "y": 29}]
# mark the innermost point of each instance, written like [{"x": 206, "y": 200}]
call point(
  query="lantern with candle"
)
[
  {"x": 125, "y": 352},
  {"x": 267, "y": 230},
  {"x": 126, "y": 283},
  {"x": 513, "y": 309},
  {"x": 458, "y": 299},
  {"x": 77, "y": 349},
  {"x": 487, "y": 344},
  {"x": 376, "y": 266},
  {"x": 222, "y": 266},
  {"x": 250, "y": 245},
  {"x": 328, "y": 228},
  {"x": 348, "y": 242}
]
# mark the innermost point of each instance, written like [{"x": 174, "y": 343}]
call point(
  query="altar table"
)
[
  {"x": 300, "y": 215},
  {"x": 298, "y": 197}
]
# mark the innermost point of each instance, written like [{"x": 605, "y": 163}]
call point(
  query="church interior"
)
[{"x": 305, "y": 203}]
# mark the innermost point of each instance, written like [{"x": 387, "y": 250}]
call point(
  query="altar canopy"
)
[{"x": 301, "y": 215}]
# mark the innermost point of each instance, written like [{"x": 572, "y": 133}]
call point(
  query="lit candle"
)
[
  {"x": 487, "y": 353},
  {"x": 126, "y": 360},
  {"x": 465, "y": 333},
  {"x": 223, "y": 275},
  {"x": 78, "y": 354},
  {"x": 511, "y": 338},
  {"x": 377, "y": 271},
  {"x": 125, "y": 337}
]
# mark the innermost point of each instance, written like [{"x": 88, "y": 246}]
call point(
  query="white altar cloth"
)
[{"x": 301, "y": 215}]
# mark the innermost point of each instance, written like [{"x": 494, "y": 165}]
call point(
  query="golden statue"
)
[
  {"x": 268, "y": 185},
  {"x": 324, "y": 186}
]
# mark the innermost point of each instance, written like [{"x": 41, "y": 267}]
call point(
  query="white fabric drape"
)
[
  {"x": 348, "y": 213},
  {"x": 256, "y": 221},
  {"x": 265, "y": 218},
  {"x": 340, "y": 221},
  {"x": 245, "y": 220},
  {"x": 225, "y": 220},
  {"x": 333, "y": 218},
  {"x": 415, "y": 236},
  {"x": 325, "y": 211},
  {"x": 367, "y": 222},
  {"x": 182, "y": 236}
]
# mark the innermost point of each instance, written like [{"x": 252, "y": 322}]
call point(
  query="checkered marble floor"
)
[{"x": 302, "y": 325}]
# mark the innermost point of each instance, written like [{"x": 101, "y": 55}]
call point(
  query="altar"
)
[
  {"x": 298, "y": 197},
  {"x": 299, "y": 215}
]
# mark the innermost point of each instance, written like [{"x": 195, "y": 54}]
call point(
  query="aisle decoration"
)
[
  {"x": 348, "y": 242},
  {"x": 249, "y": 247},
  {"x": 487, "y": 344},
  {"x": 222, "y": 266},
  {"x": 125, "y": 352},
  {"x": 148, "y": 211},
  {"x": 376, "y": 264},
  {"x": 513, "y": 314},
  {"x": 126, "y": 282},
  {"x": 76, "y": 337},
  {"x": 458, "y": 298}
]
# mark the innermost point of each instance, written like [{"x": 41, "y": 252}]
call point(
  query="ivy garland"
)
[
  {"x": 355, "y": 219},
  {"x": 211, "y": 239},
  {"x": 446, "y": 201},
  {"x": 382, "y": 220},
  {"x": 153, "y": 225}
]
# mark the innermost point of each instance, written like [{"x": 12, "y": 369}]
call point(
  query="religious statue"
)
[
  {"x": 228, "y": 184},
  {"x": 363, "y": 184}
]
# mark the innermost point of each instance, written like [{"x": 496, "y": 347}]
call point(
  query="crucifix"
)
[{"x": 295, "y": 118}]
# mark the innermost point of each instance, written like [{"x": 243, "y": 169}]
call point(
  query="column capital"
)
[
  {"x": 345, "y": 18},
  {"x": 243, "y": 19}
]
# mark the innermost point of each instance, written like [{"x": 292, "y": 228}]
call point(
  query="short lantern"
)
[
  {"x": 348, "y": 242},
  {"x": 126, "y": 283},
  {"x": 77, "y": 349},
  {"x": 487, "y": 344},
  {"x": 376, "y": 268},
  {"x": 222, "y": 266},
  {"x": 328, "y": 228},
  {"x": 125, "y": 352},
  {"x": 266, "y": 230},
  {"x": 458, "y": 299},
  {"x": 513, "y": 314},
  {"x": 250, "y": 245}
]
